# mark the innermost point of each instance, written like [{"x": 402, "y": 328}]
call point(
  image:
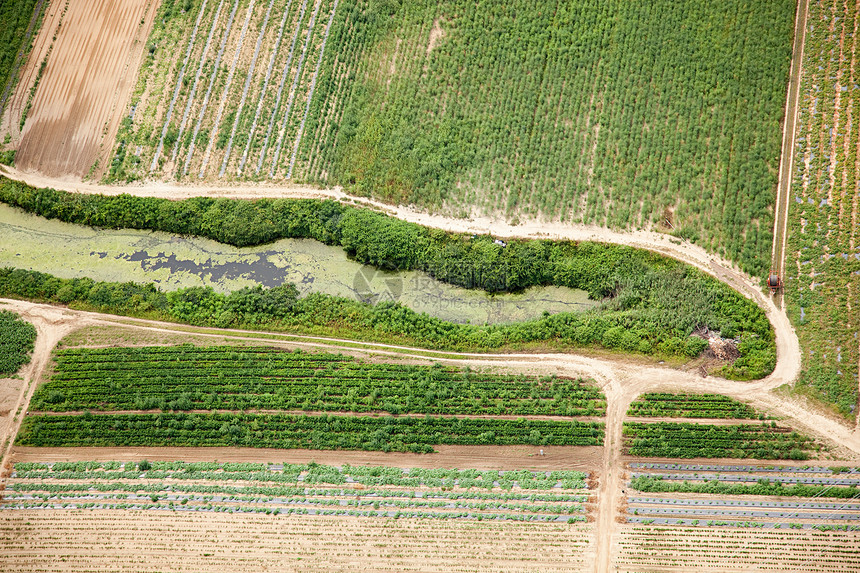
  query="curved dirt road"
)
[{"x": 620, "y": 382}]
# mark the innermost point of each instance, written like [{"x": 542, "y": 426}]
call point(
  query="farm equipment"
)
[{"x": 774, "y": 281}]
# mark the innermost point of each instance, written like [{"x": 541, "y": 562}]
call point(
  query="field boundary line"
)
[
  {"x": 215, "y": 68},
  {"x": 311, "y": 93},
  {"x": 248, "y": 80},
  {"x": 792, "y": 104},
  {"x": 176, "y": 89}
]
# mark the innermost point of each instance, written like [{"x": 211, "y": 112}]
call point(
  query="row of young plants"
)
[
  {"x": 656, "y": 484},
  {"x": 667, "y": 111},
  {"x": 311, "y": 473},
  {"x": 272, "y": 379},
  {"x": 251, "y": 56},
  {"x": 289, "y": 431},
  {"x": 689, "y": 440},
  {"x": 225, "y": 508},
  {"x": 651, "y": 304},
  {"x": 19, "y": 22},
  {"x": 350, "y": 499},
  {"x": 16, "y": 342},
  {"x": 264, "y": 493},
  {"x": 300, "y": 488},
  {"x": 657, "y": 404},
  {"x": 822, "y": 252}
]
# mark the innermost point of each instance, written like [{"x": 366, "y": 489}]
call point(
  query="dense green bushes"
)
[
  {"x": 16, "y": 342},
  {"x": 262, "y": 378},
  {"x": 763, "y": 487},
  {"x": 334, "y": 316},
  {"x": 287, "y": 431},
  {"x": 651, "y": 303},
  {"x": 684, "y": 440},
  {"x": 656, "y": 404}
]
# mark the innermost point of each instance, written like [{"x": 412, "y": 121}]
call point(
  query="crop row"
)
[
  {"x": 209, "y": 491},
  {"x": 722, "y": 502},
  {"x": 657, "y": 484},
  {"x": 220, "y": 378},
  {"x": 304, "y": 473},
  {"x": 396, "y": 514},
  {"x": 809, "y": 480},
  {"x": 822, "y": 263},
  {"x": 686, "y": 440},
  {"x": 744, "y": 513},
  {"x": 690, "y": 406},
  {"x": 283, "y": 40},
  {"x": 16, "y": 342},
  {"x": 351, "y": 499},
  {"x": 288, "y": 431},
  {"x": 743, "y": 468}
]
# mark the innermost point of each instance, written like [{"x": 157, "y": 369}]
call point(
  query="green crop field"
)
[
  {"x": 16, "y": 341},
  {"x": 289, "y": 431},
  {"x": 301, "y": 489},
  {"x": 823, "y": 252},
  {"x": 19, "y": 21},
  {"x": 241, "y": 378},
  {"x": 684, "y": 440},
  {"x": 620, "y": 113},
  {"x": 690, "y": 406}
]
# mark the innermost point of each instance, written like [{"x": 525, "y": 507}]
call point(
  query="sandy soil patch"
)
[
  {"x": 151, "y": 541},
  {"x": 85, "y": 86}
]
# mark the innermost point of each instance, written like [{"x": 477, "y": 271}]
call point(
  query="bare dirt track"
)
[
  {"x": 621, "y": 383},
  {"x": 786, "y": 162},
  {"x": 88, "y": 77},
  {"x": 586, "y": 458}
]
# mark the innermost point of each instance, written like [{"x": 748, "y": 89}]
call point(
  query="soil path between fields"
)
[
  {"x": 621, "y": 382},
  {"x": 786, "y": 161}
]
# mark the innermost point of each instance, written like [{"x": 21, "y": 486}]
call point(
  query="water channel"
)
[{"x": 171, "y": 262}]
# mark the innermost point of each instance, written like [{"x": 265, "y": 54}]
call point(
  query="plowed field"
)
[{"x": 89, "y": 69}]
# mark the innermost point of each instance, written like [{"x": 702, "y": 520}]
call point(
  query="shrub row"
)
[{"x": 288, "y": 431}]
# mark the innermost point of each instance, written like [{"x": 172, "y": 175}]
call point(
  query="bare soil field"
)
[
  {"x": 586, "y": 458},
  {"x": 647, "y": 548},
  {"x": 87, "y": 79},
  {"x": 146, "y": 541}
]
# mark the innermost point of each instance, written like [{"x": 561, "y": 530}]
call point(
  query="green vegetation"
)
[
  {"x": 652, "y": 304},
  {"x": 822, "y": 251},
  {"x": 685, "y": 440},
  {"x": 628, "y": 114},
  {"x": 690, "y": 406},
  {"x": 763, "y": 487},
  {"x": 599, "y": 112},
  {"x": 301, "y": 489},
  {"x": 16, "y": 342},
  {"x": 287, "y": 431},
  {"x": 18, "y": 21},
  {"x": 310, "y": 474},
  {"x": 243, "y": 378}
]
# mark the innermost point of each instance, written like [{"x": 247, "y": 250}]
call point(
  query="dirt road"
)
[
  {"x": 620, "y": 382},
  {"x": 786, "y": 162}
]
